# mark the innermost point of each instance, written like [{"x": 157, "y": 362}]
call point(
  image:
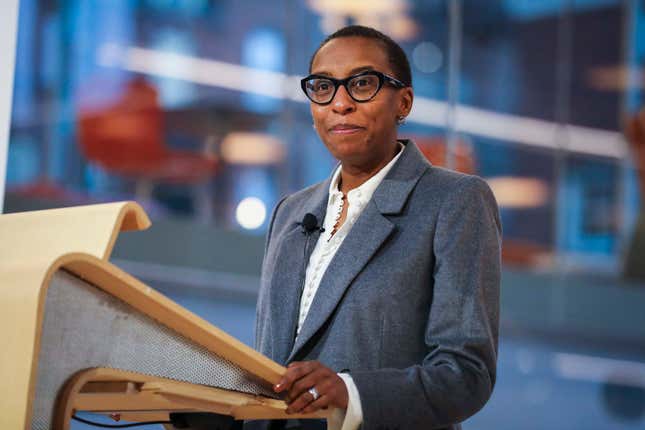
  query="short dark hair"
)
[{"x": 395, "y": 54}]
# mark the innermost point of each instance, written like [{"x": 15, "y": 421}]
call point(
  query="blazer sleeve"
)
[{"x": 456, "y": 377}]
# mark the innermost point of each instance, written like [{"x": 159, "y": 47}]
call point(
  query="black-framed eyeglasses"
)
[{"x": 361, "y": 87}]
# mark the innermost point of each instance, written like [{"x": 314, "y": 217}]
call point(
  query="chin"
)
[{"x": 344, "y": 148}]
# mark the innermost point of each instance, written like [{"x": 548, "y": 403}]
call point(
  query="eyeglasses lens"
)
[
  {"x": 320, "y": 90},
  {"x": 361, "y": 88}
]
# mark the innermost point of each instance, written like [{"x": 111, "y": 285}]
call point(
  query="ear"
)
[{"x": 406, "y": 97}]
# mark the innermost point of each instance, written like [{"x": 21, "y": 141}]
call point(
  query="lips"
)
[{"x": 346, "y": 128}]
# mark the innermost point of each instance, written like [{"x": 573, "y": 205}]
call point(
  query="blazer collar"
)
[
  {"x": 371, "y": 230},
  {"x": 393, "y": 192},
  {"x": 317, "y": 203}
]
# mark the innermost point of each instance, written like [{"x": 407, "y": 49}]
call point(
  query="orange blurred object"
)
[{"x": 127, "y": 139}]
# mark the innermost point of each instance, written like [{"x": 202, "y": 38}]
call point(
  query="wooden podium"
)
[{"x": 82, "y": 335}]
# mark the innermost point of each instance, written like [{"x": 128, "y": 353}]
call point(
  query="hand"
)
[{"x": 303, "y": 375}]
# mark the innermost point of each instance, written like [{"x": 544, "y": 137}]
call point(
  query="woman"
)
[{"x": 388, "y": 311}]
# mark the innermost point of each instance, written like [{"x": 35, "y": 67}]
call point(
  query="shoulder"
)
[
  {"x": 444, "y": 186},
  {"x": 440, "y": 177},
  {"x": 462, "y": 199},
  {"x": 451, "y": 196},
  {"x": 301, "y": 197}
]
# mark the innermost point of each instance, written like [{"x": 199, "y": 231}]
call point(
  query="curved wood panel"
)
[
  {"x": 48, "y": 234},
  {"x": 31, "y": 244},
  {"x": 79, "y": 240}
]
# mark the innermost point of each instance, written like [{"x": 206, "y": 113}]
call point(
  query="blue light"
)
[
  {"x": 264, "y": 49},
  {"x": 532, "y": 9},
  {"x": 175, "y": 92}
]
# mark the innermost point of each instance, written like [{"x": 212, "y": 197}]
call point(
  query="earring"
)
[{"x": 400, "y": 120}]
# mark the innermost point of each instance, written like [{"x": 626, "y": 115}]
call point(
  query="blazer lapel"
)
[
  {"x": 371, "y": 230},
  {"x": 289, "y": 275},
  {"x": 367, "y": 235}
]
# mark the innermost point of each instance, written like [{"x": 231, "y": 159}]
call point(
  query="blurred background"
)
[{"x": 193, "y": 109}]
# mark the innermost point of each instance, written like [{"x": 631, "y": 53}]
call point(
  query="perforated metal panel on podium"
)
[{"x": 81, "y": 334}]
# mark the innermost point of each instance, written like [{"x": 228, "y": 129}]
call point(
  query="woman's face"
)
[{"x": 361, "y": 134}]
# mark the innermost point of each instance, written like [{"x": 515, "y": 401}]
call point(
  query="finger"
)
[
  {"x": 313, "y": 379},
  {"x": 335, "y": 393},
  {"x": 300, "y": 402},
  {"x": 322, "y": 403},
  {"x": 317, "y": 378},
  {"x": 293, "y": 374},
  {"x": 303, "y": 363}
]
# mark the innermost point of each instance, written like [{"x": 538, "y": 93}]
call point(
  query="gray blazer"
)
[{"x": 410, "y": 302}]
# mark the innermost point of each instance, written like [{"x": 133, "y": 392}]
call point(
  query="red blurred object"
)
[
  {"x": 435, "y": 150},
  {"x": 635, "y": 134},
  {"x": 526, "y": 254},
  {"x": 127, "y": 139}
]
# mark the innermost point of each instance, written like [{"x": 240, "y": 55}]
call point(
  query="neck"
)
[{"x": 354, "y": 175}]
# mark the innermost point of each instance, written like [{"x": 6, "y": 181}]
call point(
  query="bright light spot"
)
[
  {"x": 251, "y": 213},
  {"x": 252, "y": 149},
  {"x": 519, "y": 193}
]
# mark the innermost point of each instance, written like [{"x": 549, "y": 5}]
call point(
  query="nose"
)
[{"x": 342, "y": 103}]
